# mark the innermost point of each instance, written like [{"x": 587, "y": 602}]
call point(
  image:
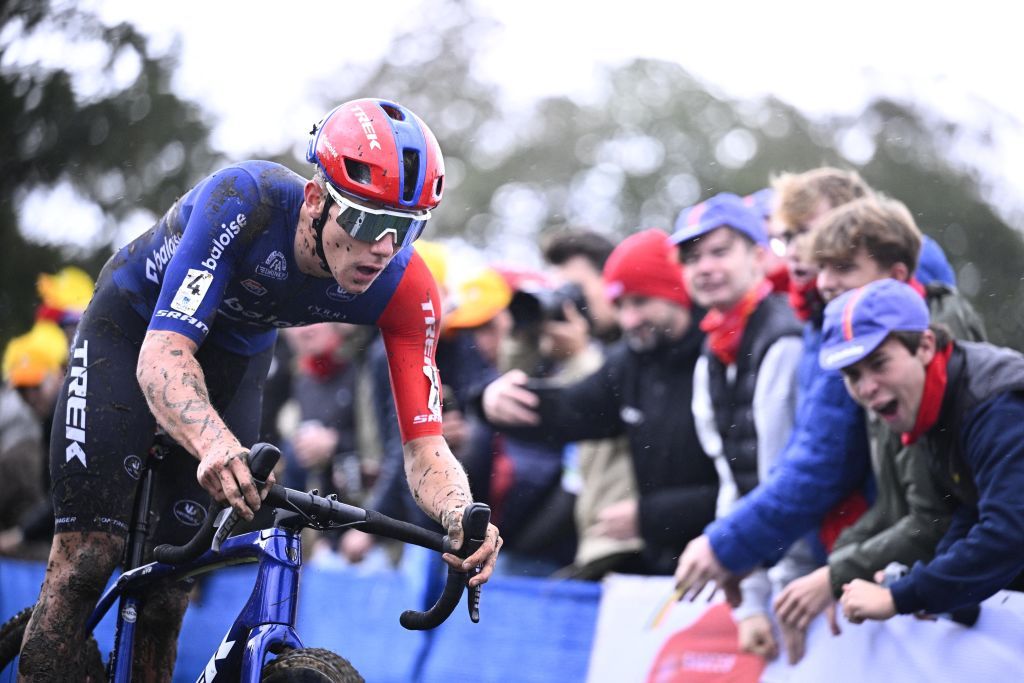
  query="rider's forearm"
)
[
  {"x": 175, "y": 389},
  {"x": 438, "y": 483}
]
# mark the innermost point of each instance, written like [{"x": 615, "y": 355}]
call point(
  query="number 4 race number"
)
[{"x": 192, "y": 290}]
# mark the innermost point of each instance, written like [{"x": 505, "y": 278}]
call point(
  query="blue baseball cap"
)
[
  {"x": 723, "y": 210},
  {"x": 858, "y": 321},
  {"x": 761, "y": 202}
]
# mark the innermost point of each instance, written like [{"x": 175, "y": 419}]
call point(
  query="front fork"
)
[{"x": 266, "y": 624}]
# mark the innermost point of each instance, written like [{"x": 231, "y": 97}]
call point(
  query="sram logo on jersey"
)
[
  {"x": 367, "y": 126},
  {"x": 159, "y": 258},
  {"x": 176, "y": 315},
  {"x": 228, "y": 231}
]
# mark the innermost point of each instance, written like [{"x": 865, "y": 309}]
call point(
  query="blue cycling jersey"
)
[{"x": 220, "y": 265}]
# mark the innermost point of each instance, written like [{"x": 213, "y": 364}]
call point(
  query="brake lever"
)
[
  {"x": 262, "y": 459},
  {"x": 474, "y": 532},
  {"x": 475, "y": 519}
]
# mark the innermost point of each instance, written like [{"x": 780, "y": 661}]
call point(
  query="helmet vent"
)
[
  {"x": 411, "y": 171},
  {"x": 393, "y": 111},
  {"x": 357, "y": 171}
]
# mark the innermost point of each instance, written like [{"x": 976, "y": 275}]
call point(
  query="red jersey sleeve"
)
[{"x": 409, "y": 325}]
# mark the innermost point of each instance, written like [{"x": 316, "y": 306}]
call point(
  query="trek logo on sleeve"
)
[
  {"x": 429, "y": 368},
  {"x": 227, "y": 234},
  {"x": 192, "y": 291},
  {"x": 74, "y": 415}
]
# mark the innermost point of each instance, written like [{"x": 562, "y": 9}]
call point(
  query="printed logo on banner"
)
[
  {"x": 275, "y": 266},
  {"x": 192, "y": 290},
  {"x": 189, "y": 512},
  {"x": 253, "y": 287}
]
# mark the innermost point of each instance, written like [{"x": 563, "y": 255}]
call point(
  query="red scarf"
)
[
  {"x": 931, "y": 397},
  {"x": 804, "y": 299},
  {"x": 780, "y": 278},
  {"x": 725, "y": 330},
  {"x": 322, "y": 366}
]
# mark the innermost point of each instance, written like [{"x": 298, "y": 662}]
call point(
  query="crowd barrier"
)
[{"x": 543, "y": 631}]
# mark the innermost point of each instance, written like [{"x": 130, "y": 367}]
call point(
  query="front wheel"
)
[
  {"x": 314, "y": 665},
  {"x": 11, "y": 634}
]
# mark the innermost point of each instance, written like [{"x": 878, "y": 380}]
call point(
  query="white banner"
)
[{"x": 642, "y": 637}]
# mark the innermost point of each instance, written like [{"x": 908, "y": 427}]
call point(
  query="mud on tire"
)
[
  {"x": 13, "y": 632},
  {"x": 314, "y": 665}
]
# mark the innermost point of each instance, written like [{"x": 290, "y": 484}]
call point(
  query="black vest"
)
[
  {"x": 734, "y": 403},
  {"x": 976, "y": 373}
]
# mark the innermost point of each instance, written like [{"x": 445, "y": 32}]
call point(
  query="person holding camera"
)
[{"x": 643, "y": 391}]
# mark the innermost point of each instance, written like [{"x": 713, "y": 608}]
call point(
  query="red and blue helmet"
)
[{"x": 383, "y": 167}]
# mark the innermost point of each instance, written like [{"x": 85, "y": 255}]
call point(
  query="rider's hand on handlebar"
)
[
  {"x": 225, "y": 476},
  {"x": 484, "y": 557}
]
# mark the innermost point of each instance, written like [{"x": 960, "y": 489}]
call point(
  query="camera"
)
[{"x": 533, "y": 305}]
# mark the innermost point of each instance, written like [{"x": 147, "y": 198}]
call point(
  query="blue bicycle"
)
[{"x": 262, "y": 643}]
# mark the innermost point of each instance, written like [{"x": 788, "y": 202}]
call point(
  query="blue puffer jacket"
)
[{"x": 826, "y": 458}]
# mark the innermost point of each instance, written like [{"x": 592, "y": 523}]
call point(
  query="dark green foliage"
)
[{"x": 138, "y": 147}]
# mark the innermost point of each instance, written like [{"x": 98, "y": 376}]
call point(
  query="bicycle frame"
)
[{"x": 265, "y": 624}]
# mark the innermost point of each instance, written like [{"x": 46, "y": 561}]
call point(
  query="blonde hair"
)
[{"x": 798, "y": 195}]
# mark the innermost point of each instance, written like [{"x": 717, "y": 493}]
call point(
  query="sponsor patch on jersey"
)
[
  {"x": 192, "y": 290},
  {"x": 254, "y": 287},
  {"x": 189, "y": 512},
  {"x": 338, "y": 293},
  {"x": 133, "y": 466},
  {"x": 275, "y": 266}
]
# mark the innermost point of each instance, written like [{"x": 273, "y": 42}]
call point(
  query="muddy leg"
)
[
  {"x": 156, "y": 641},
  {"x": 77, "y": 571}
]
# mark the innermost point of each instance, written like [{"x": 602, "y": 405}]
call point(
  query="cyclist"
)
[{"x": 179, "y": 335}]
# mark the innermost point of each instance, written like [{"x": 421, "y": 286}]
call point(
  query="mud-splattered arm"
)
[
  {"x": 441, "y": 489},
  {"x": 175, "y": 389}
]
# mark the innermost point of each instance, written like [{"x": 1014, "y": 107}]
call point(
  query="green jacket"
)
[{"x": 911, "y": 512}]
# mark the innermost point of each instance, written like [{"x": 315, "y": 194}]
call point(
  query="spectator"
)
[
  {"x": 865, "y": 240},
  {"x": 966, "y": 401},
  {"x": 33, "y": 370},
  {"x": 744, "y": 395},
  {"x": 827, "y": 457},
  {"x": 64, "y": 297},
  {"x": 641, "y": 391},
  {"x": 761, "y": 203},
  {"x": 578, "y": 256},
  {"x": 322, "y": 452},
  {"x": 524, "y": 476},
  {"x": 599, "y": 472}
]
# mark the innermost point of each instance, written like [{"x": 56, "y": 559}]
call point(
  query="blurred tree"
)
[
  {"x": 117, "y": 136},
  {"x": 658, "y": 140}
]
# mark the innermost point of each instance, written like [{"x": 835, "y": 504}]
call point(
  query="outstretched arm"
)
[
  {"x": 440, "y": 487},
  {"x": 175, "y": 389}
]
